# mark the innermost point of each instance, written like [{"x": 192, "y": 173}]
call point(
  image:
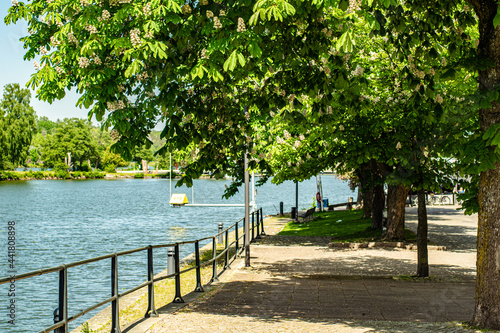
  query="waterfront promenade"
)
[{"x": 299, "y": 284}]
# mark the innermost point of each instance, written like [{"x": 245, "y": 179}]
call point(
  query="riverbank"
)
[{"x": 51, "y": 175}]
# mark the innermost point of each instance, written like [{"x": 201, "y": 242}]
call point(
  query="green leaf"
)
[
  {"x": 289, "y": 9},
  {"x": 496, "y": 140},
  {"x": 230, "y": 63},
  {"x": 255, "y": 50},
  {"x": 241, "y": 59},
  {"x": 496, "y": 20},
  {"x": 449, "y": 74},
  {"x": 346, "y": 42},
  {"x": 493, "y": 96},
  {"x": 254, "y": 18},
  {"x": 132, "y": 69}
]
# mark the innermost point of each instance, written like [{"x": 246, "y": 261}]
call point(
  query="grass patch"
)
[{"x": 342, "y": 226}]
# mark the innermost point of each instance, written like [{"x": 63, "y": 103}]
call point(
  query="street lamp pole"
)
[{"x": 247, "y": 213}]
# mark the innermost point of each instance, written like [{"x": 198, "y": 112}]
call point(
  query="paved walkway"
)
[{"x": 295, "y": 288}]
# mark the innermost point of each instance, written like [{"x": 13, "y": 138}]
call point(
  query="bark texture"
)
[
  {"x": 422, "y": 252},
  {"x": 487, "y": 309},
  {"x": 378, "y": 195},
  {"x": 396, "y": 199},
  {"x": 365, "y": 189}
]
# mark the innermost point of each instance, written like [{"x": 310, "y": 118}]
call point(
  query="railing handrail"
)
[
  {"x": 43, "y": 271},
  {"x": 61, "y": 320}
]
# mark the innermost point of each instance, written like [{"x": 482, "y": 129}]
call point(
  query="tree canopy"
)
[{"x": 17, "y": 124}]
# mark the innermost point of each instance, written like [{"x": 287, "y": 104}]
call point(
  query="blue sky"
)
[{"x": 14, "y": 69}]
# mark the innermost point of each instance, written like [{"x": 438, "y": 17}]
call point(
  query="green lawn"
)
[{"x": 342, "y": 226}]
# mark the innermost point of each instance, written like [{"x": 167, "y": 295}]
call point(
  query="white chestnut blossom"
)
[
  {"x": 358, "y": 71},
  {"x": 186, "y": 9},
  {"x": 217, "y": 23},
  {"x": 91, "y": 28},
  {"x": 241, "y": 25},
  {"x": 54, "y": 41},
  {"x": 204, "y": 54},
  {"x": 83, "y": 62},
  {"x": 72, "y": 38},
  {"x": 105, "y": 15},
  {"x": 146, "y": 10},
  {"x": 134, "y": 37}
]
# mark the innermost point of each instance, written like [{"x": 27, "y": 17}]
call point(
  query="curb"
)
[{"x": 372, "y": 245}]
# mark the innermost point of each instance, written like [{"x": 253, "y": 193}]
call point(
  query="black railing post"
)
[
  {"x": 226, "y": 248},
  {"x": 61, "y": 313},
  {"x": 214, "y": 263},
  {"x": 237, "y": 236},
  {"x": 253, "y": 226},
  {"x": 199, "y": 285},
  {"x": 281, "y": 208},
  {"x": 115, "y": 312},
  {"x": 262, "y": 222},
  {"x": 178, "y": 295},
  {"x": 258, "y": 223},
  {"x": 151, "y": 311}
]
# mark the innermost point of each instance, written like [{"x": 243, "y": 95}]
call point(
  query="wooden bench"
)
[
  {"x": 348, "y": 205},
  {"x": 306, "y": 214}
]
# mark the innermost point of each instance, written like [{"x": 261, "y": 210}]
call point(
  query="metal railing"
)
[{"x": 61, "y": 315}]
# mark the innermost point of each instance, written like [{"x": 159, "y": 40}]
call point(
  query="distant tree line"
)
[{"x": 30, "y": 141}]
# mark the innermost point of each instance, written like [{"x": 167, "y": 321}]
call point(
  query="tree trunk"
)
[
  {"x": 378, "y": 195},
  {"x": 396, "y": 199},
  {"x": 378, "y": 207},
  {"x": 422, "y": 253},
  {"x": 365, "y": 189},
  {"x": 367, "y": 203},
  {"x": 487, "y": 309}
]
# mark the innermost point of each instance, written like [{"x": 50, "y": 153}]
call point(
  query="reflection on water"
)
[{"x": 65, "y": 221}]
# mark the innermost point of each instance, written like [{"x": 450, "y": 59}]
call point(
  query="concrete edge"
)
[{"x": 372, "y": 245}]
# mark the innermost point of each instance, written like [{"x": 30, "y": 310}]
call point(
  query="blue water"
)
[{"x": 65, "y": 221}]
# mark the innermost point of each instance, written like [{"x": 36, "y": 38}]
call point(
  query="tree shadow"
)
[
  {"x": 350, "y": 263},
  {"x": 447, "y": 227},
  {"x": 342, "y": 299}
]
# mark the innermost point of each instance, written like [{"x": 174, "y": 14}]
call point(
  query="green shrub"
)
[
  {"x": 84, "y": 168},
  {"x": 98, "y": 175},
  {"x": 139, "y": 175},
  {"x": 111, "y": 168},
  {"x": 9, "y": 175},
  {"x": 76, "y": 174},
  {"x": 61, "y": 171},
  {"x": 39, "y": 175}
]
